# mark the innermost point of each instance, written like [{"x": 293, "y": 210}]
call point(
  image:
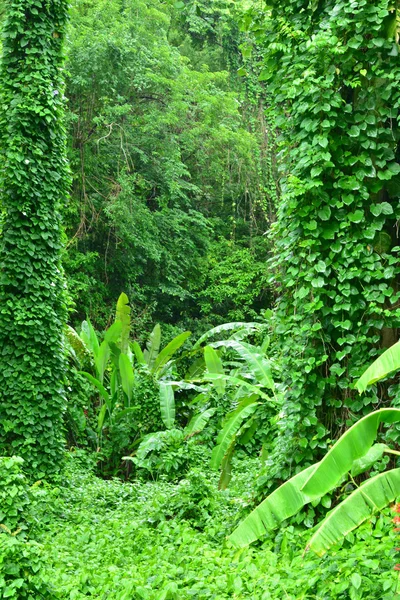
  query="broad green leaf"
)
[
  {"x": 373, "y": 495},
  {"x": 226, "y": 327},
  {"x": 153, "y": 346},
  {"x": 101, "y": 417},
  {"x": 170, "y": 350},
  {"x": 186, "y": 385},
  {"x": 226, "y": 468},
  {"x": 198, "y": 422},
  {"x": 196, "y": 369},
  {"x": 89, "y": 336},
  {"x": 259, "y": 366},
  {"x": 101, "y": 359},
  {"x": 254, "y": 389},
  {"x": 138, "y": 353},
  {"x": 283, "y": 503},
  {"x": 247, "y": 435},
  {"x": 127, "y": 376},
  {"x": 113, "y": 332},
  {"x": 167, "y": 405},
  {"x": 385, "y": 364},
  {"x": 103, "y": 392},
  {"x": 228, "y": 433},
  {"x": 368, "y": 460},
  {"x": 123, "y": 315},
  {"x": 353, "y": 445},
  {"x": 214, "y": 366}
]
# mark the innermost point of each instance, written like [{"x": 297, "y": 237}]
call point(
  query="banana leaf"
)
[
  {"x": 138, "y": 353},
  {"x": 123, "y": 315},
  {"x": 228, "y": 433},
  {"x": 167, "y": 405},
  {"x": 198, "y": 422},
  {"x": 101, "y": 359},
  {"x": 250, "y": 387},
  {"x": 283, "y": 503},
  {"x": 127, "y": 376},
  {"x": 103, "y": 392},
  {"x": 353, "y": 445},
  {"x": 214, "y": 366},
  {"x": 226, "y": 468},
  {"x": 259, "y": 366},
  {"x": 169, "y": 350},
  {"x": 153, "y": 346},
  {"x": 368, "y": 460},
  {"x": 385, "y": 364},
  {"x": 373, "y": 495},
  {"x": 113, "y": 332},
  {"x": 89, "y": 337},
  {"x": 226, "y": 327}
]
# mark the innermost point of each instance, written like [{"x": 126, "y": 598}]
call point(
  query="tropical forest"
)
[{"x": 200, "y": 299}]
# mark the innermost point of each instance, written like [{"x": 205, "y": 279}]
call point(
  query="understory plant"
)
[{"x": 352, "y": 455}]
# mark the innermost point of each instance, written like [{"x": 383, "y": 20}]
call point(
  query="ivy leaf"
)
[
  {"x": 325, "y": 213},
  {"x": 354, "y": 131},
  {"x": 357, "y": 216}
]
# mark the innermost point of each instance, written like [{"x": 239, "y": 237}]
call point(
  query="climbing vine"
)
[
  {"x": 332, "y": 68},
  {"x": 34, "y": 183}
]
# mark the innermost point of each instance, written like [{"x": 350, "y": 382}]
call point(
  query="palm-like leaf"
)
[
  {"x": 138, "y": 353},
  {"x": 198, "y": 422},
  {"x": 228, "y": 433},
  {"x": 167, "y": 404},
  {"x": 214, "y": 366},
  {"x": 283, "y": 503},
  {"x": 385, "y": 364},
  {"x": 127, "y": 376},
  {"x": 123, "y": 315},
  {"x": 259, "y": 366},
  {"x": 153, "y": 346},
  {"x": 354, "y": 444},
  {"x": 103, "y": 392},
  {"x": 249, "y": 327},
  {"x": 89, "y": 336},
  {"x": 373, "y": 495},
  {"x": 169, "y": 350}
]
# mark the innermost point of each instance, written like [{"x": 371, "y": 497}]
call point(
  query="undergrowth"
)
[{"x": 166, "y": 541}]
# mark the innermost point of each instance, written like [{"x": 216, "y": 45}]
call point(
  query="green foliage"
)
[
  {"x": 383, "y": 366},
  {"x": 34, "y": 185},
  {"x": 14, "y": 495},
  {"x": 20, "y": 566},
  {"x": 168, "y": 175}
]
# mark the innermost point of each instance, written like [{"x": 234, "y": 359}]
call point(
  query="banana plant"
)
[
  {"x": 354, "y": 450},
  {"x": 153, "y": 359},
  {"x": 386, "y": 363},
  {"x": 254, "y": 386}
]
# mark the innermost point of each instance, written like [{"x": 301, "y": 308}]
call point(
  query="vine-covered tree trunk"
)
[
  {"x": 34, "y": 183},
  {"x": 332, "y": 68}
]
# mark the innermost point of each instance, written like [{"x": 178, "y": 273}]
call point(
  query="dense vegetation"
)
[{"x": 199, "y": 315}]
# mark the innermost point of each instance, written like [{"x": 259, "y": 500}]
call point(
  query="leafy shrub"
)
[
  {"x": 20, "y": 566},
  {"x": 20, "y": 560},
  {"x": 14, "y": 492}
]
